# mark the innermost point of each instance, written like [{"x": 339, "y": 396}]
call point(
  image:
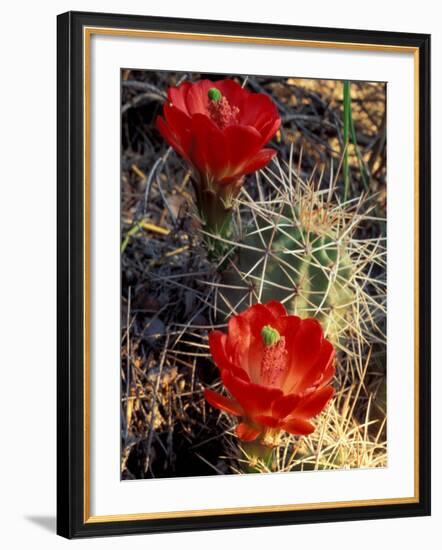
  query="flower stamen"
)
[
  {"x": 220, "y": 110},
  {"x": 274, "y": 362}
]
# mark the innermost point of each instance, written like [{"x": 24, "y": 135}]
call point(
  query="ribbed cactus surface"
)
[{"x": 297, "y": 259}]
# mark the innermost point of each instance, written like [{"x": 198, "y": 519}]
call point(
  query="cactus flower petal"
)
[
  {"x": 285, "y": 405},
  {"x": 298, "y": 426},
  {"x": 268, "y": 421},
  {"x": 314, "y": 403},
  {"x": 276, "y": 309},
  {"x": 217, "y": 343},
  {"x": 246, "y": 432},
  {"x": 318, "y": 373},
  {"x": 223, "y": 403},
  {"x": 254, "y": 398},
  {"x": 276, "y": 367}
]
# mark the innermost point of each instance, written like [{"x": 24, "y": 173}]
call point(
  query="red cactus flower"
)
[
  {"x": 220, "y": 129},
  {"x": 277, "y": 369}
]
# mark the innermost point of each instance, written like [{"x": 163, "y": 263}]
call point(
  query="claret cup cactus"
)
[
  {"x": 299, "y": 247},
  {"x": 307, "y": 267}
]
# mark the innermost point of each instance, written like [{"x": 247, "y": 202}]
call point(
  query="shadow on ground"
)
[{"x": 48, "y": 523}]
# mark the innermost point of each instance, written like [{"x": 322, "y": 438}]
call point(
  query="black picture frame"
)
[{"x": 71, "y": 520}]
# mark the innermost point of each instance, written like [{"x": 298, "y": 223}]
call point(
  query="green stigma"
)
[
  {"x": 270, "y": 336},
  {"x": 214, "y": 94}
]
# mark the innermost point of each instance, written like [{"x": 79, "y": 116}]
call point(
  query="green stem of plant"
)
[
  {"x": 217, "y": 248},
  {"x": 362, "y": 167},
  {"x": 347, "y": 130},
  {"x": 261, "y": 457},
  {"x": 131, "y": 232}
]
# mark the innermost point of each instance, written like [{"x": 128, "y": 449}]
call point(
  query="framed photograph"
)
[{"x": 243, "y": 274}]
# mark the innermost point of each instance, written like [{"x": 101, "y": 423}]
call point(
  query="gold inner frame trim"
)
[{"x": 87, "y": 34}]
